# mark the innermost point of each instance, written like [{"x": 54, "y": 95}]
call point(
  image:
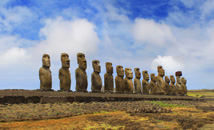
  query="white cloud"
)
[{"x": 148, "y": 31}]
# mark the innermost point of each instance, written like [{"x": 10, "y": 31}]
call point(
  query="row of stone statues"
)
[{"x": 123, "y": 85}]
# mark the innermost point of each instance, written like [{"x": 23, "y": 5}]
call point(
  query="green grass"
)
[{"x": 162, "y": 104}]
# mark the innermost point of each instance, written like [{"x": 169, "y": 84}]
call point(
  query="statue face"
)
[
  {"x": 145, "y": 75},
  {"x": 129, "y": 73},
  {"x": 172, "y": 79},
  {"x": 153, "y": 77},
  {"x": 46, "y": 62},
  {"x": 81, "y": 61},
  {"x": 137, "y": 73},
  {"x": 96, "y": 66},
  {"x": 179, "y": 80},
  {"x": 183, "y": 80},
  {"x": 109, "y": 68},
  {"x": 167, "y": 79},
  {"x": 161, "y": 71},
  {"x": 65, "y": 60},
  {"x": 120, "y": 71}
]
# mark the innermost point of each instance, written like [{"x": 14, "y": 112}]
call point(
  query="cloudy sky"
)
[{"x": 177, "y": 34}]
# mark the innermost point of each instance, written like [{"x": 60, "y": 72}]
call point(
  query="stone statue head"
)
[
  {"x": 81, "y": 61},
  {"x": 167, "y": 79},
  {"x": 178, "y": 73},
  {"x": 172, "y": 79},
  {"x": 145, "y": 75},
  {"x": 137, "y": 73},
  {"x": 65, "y": 60},
  {"x": 46, "y": 62},
  {"x": 109, "y": 68},
  {"x": 129, "y": 73},
  {"x": 120, "y": 71},
  {"x": 183, "y": 80},
  {"x": 161, "y": 71},
  {"x": 96, "y": 66},
  {"x": 153, "y": 77}
]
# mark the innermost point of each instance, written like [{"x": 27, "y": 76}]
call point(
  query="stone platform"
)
[{"x": 17, "y": 96}]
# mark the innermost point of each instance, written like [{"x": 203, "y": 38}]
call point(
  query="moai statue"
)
[
  {"x": 153, "y": 85},
  {"x": 96, "y": 81},
  {"x": 137, "y": 83},
  {"x": 145, "y": 83},
  {"x": 119, "y": 79},
  {"x": 166, "y": 87},
  {"x": 160, "y": 81},
  {"x": 178, "y": 74},
  {"x": 172, "y": 85},
  {"x": 108, "y": 78},
  {"x": 64, "y": 73},
  {"x": 127, "y": 82},
  {"x": 80, "y": 74},
  {"x": 45, "y": 74},
  {"x": 183, "y": 86}
]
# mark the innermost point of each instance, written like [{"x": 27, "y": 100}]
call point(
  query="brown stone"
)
[
  {"x": 64, "y": 73},
  {"x": 80, "y": 74},
  {"x": 178, "y": 82},
  {"x": 153, "y": 85},
  {"x": 45, "y": 73},
  {"x": 172, "y": 85},
  {"x": 137, "y": 83},
  {"x": 119, "y": 79},
  {"x": 127, "y": 82},
  {"x": 108, "y": 78},
  {"x": 183, "y": 86},
  {"x": 178, "y": 73},
  {"x": 145, "y": 82},
  {"x": 96, "y": 81},
  {"x": 160, "y": 81},
  {"x": 167, "y": 88}
]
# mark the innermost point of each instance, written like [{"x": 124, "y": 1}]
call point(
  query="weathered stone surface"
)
[
  {"x": 178, "y": 74},
  {"x": 64, "y": 73},
  {"x": 14, "y": 99},
  {"x": 167, "y": 88},
  {"x": 153, "y": 84},
  {"x": 33, "y": 99},
  {"x": 172, "y": 85},
  {"x": 53, "y": 100},
  {"x": 119, "y": 79},
  {"x": 108, "y": 78},
  {"x": 127, "y": 82},
  {"x": 45, "y": 74},
  {"x": 145, "y": 82},
  {"x": 137, "y": 83},
  {"x": 80, "y": 74},
  {"x": 96, "y": 81},
  {"x": 183, "y": 86},
  {"x": 160, "y": 81}
]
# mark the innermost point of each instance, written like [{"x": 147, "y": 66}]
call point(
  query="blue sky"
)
[{"x": 177, "y": 34}]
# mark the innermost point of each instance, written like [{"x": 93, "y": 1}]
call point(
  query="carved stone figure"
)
[
  {"x": 137, "y": 83},
  {"x": 160, "y": 81},
  {"x": 45, "y": 74},
  {"x": 183, "y": 86},
  {"x": 167, "y": 88},
  {"x": 64, "y": 73},
  {"x": 145, "y": 82},
  {"x": 80, "y": 74},
  {"x": 127, "y": 82},
  {"x": 96, "y": 81},
  {"x": 119, "y": 79},
  {"x": 178, "y": 74},
  {"x": 108, "y": 78},
  {"x": 172, "y": 85},
  {"x": 153, "y": 86}
]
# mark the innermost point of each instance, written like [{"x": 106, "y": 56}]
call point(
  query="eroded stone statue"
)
[
  {"x": 80, "y": 74},
  {"x": 167, "y": 88},
  {"x": 160, "y": 81},
  {"x": 172, "y": 85},
  {"x": 128, "y": 83},
  {"x": 96, "y": 81},
  {"x": 178, "y": 74},
  {"x": 108, "y": 78},
  {"x": 64, "y": 73},
  {"x": 183, "y": 86},
  {"x": 45, "y": 74},
  {"x": 152, "y": 84},
  {"x": 119, "y": 79},
  {"x": 137, "y": 83},
  {"x": 145, "y": 82}
]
